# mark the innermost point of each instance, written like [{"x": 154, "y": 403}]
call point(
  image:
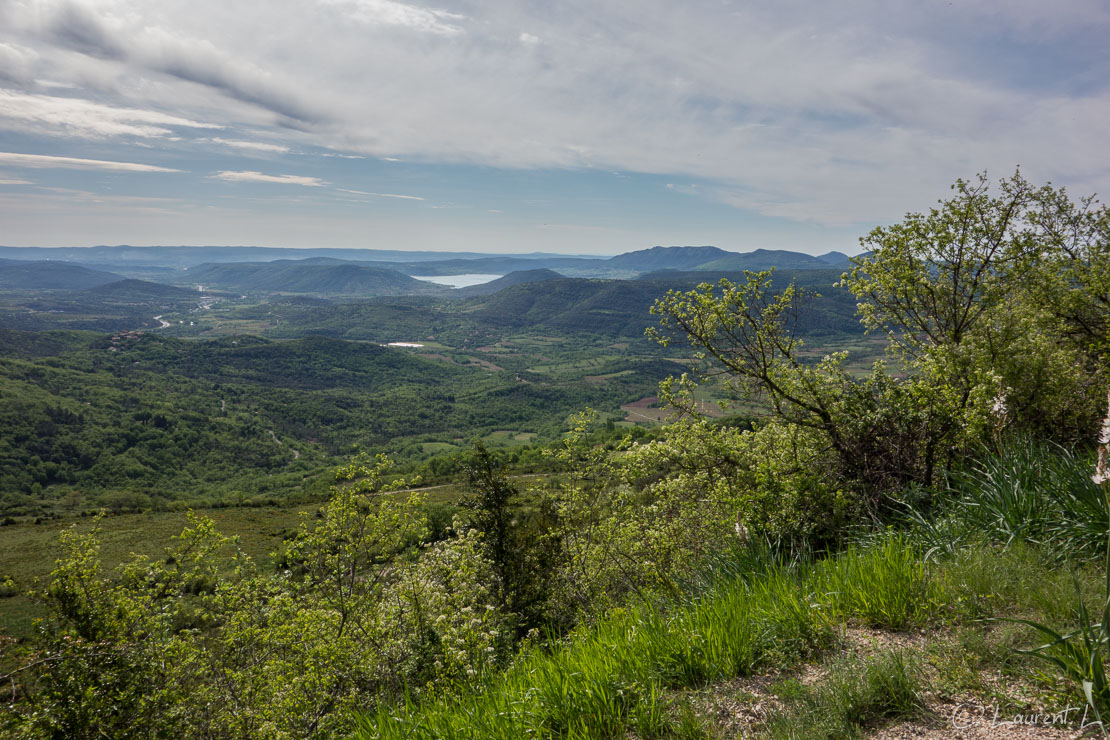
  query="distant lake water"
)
[{"x": 457, "y": 281}]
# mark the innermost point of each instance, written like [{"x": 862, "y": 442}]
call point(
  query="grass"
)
[
  {"x": 609, "y": 679},
  {"x": 856, "y": 694},
  {"x": 762, "y": 613},
  {"x": 885, "y": 585},
  {"x": 1036, "y": 492},
  {"x": 752, "y": 613}
]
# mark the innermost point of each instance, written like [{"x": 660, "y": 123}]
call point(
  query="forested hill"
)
[
  {"x": 50, "y": 275},
  {"x": 606, "y": 308},
  {"x": 765, "y": 259},
  {"x": 138, "y": 290},
  {"x": 621, "y": 308},
  {"x": 298, "y": 277},
  {"x": 666, "y": 258},
  {"x": 121, "y": 420},
  {"x": 519, "y": 277}
]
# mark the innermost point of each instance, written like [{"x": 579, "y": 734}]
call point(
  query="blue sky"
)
[{"x": 583, "y": 126}]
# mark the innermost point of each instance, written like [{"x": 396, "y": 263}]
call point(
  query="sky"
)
[{"x": 578, "y": 126}]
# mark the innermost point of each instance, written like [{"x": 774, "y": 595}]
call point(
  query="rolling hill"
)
[
  {"x": 621, "y": 308},
  {"x": 519, "y": 277},
  {"x": 139, "y": 291},
  {"x": 50, "y": 275},
  {"x": 666, "y": 258},
  {"x": 764, "y": 259},
  {"x": 295, "y": 276}
]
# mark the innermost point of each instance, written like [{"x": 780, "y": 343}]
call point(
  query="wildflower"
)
[
  {"x": 741, "y": 530},
  {"x": 1102, "y": 467},
  {"x": 998, "y": 408}
]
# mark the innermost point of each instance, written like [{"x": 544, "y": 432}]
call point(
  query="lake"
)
[{"x": 457, "y": 281}]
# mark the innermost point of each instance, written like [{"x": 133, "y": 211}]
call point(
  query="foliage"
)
[
  {"x": 1036, "y": 492},
  {"x": 518, "y": 543},
  {"x": 1080, "y": 655},
  {"x": 882, "y": 432},
  {"x": 996, "y": 290},
  {"x": 200, "y": 645}
]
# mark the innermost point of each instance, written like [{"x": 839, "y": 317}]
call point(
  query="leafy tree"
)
[
  {"x": 995, "y": 288},
  {"x": 518, "y": 542},
  {"x": 882, "y": 432}
]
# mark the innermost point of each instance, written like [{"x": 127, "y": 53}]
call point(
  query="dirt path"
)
[{"x": 278, "y": 442}]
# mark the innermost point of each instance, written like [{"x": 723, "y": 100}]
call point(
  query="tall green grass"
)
[
  {"x": 856, "y": 694},
  {"x": 607, "y": 680},
  {"x": 885, "y": 584},
  {"x": 1044, "y": 494},
  {"x": 1035, "y": 492}
]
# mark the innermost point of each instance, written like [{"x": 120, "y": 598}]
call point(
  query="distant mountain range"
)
[
  {"x": 183, "y": 256},
  {"x": 166, "y": 263}
]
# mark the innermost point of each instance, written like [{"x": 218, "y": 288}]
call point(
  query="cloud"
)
[
  {"x": 16, "y": 62},
  {"x": 13, "y": 181},
  {"x": 72, "y": 163},
  {"x": 392, "y": 13},
  {"x": 85, "y": 118},
  {"x": 252, "y": 145},
  {"x": 838, "y": 113},
  {"x": 124, "y": 38},
  {"x": 250, "y": 176},
  {"x": 380, "y": 195}
]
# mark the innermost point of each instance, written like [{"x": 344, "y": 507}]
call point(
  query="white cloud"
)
[
  {"x": 250, "y": 176},
  {"x": 392, "y": 13},
  {"x": 252, "y": 145},
  {"x": 72, "y": 163},
  {"x": 380, "y": 195},
  {"x": 13, "y": 181},
  {"x": 85, "y": 118},
  {"x": 836, "y": 112}
]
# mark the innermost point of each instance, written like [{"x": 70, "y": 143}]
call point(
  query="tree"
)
[
  {"x": 879, "y": 430},
  {"x": 517, "y": 542},
  {"x": 994, "y": 289}
]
